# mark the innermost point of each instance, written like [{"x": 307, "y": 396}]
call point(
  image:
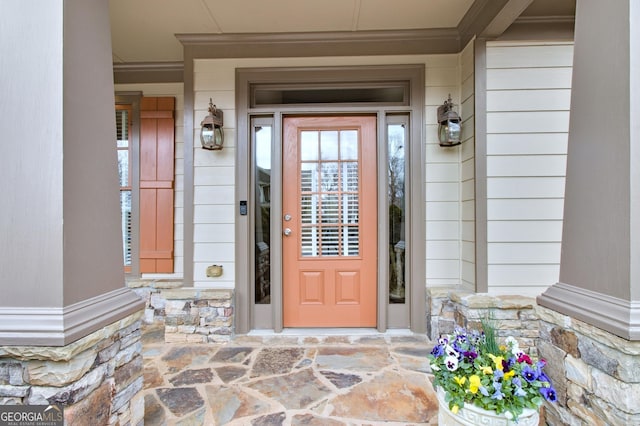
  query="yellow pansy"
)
[
  {"x": 455, "y": 409},
  {"x": 497, "y": 360},
  {"x": 460, "y": 380},
  {"x": 486, "y": 370},
  {"x": 509, "y": 374},
  {"x": 474, "y": 384}
]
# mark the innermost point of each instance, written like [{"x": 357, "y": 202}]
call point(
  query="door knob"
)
[{"x": 286, "y": 232}]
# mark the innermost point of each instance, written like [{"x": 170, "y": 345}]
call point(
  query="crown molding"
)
[
  {"x": 148, "y": 72},
  {"x": 310, "y": 44}
]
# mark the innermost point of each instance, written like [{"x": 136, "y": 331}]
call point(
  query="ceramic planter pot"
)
[{"x": 471, "y": 415}]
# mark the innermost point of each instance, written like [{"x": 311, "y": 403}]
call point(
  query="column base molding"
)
[
  {"x": 61, "y": 326},
  {"x": 618, "y": 316}
]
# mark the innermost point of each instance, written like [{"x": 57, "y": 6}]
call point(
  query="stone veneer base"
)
[
  {"x": 198, "y": 315},
  {"x": 97, "y": 378},
  {"x": 596, "y": 373}
]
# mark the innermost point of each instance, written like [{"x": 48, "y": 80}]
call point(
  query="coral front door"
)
[{"x": 329, "y": 222}]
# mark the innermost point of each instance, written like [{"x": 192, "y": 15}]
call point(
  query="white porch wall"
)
[
  {"x": 528, "y": 99},
  {"x": 175, "y": 90},
  {"x": 214, "y": 171}
]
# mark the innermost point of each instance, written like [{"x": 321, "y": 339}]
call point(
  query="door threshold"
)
[{"x": 324, "y": 332}]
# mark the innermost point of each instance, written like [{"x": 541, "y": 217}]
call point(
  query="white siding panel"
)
[
  {"x": 525, "y": 187},
  {"x": 214, "y": 195},
  {"x": 528, "y": 122},
  {"x": 221, "y": 175},
  {"x": 531, "y": 165},
  {"x": 468, "y": 210},
  {"x": 221, "y": 213},
  {"x": 443, "y": 230},
  {"x": 525, "y": 209},
  {"x": 468, "y": 252},
  {"x": 447, "y": 269},
  {"x": 523, "y": 253},
  {"x": 443, "y": 192},
  {"x": 529, "y": 78},
  {"x": 468, "y": 190},
  {"x": 524, "y": 231},
  {"x": 443, "y": 210},
  {"x": 525, "y": 275},
  {"x": 528, "y": 100},
  {"x": 468, "y": 230},
  {"x": 446, "y": 76},
  {"x": 218, "y": 233},
  {"x": 445, "y": 172},
  {"x": 556, "y": 55},
  {"x": 443, "y": 249},
  {"x": 527, "y": 143},
  {"x": 213, "y": 252}
]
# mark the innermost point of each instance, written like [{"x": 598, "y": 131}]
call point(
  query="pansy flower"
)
[
  {"x": 451, "y": 362},
  {"x": 529, "y": 374},
  {"x": 549, "y": 394}
]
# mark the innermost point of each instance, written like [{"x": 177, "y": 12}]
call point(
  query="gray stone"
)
[
  {"x": 270, "y": 420},
  {"x": 180, "y": 357},
  {"x": 612, "y": 361},
  {"x": 230, "y": 373},
  {"x": 153, "y": 411},
  {"x": 69, "y": 394},
  {"x": 390, "y": 397},
  {"x": 191, "y": 377},
  {"x": 126, "y": 394},
  {"x": 13, "y": 391},
  {"x": 127, "y": 373},
  {"x": 276, "y": 361},
  {"x": 125, "y": 355},
  {"x": 624, "y": 396},
  {"x": 232, "y": 354},
  {"x": 555, "y": 368},
  {"x": 228, "y": 404},
  {"x": 108, "y": 353},
  {"x": 311, "y": 420},
  {"x": 60, "y": 373},
  {"x": 193, "y": 419},
  {"x": 340, "y": 380},
  {"x": 293, "y": 391},
  {"x": 578, "y": 372},
  {"x": 180, "y": 401},
  {"x": 356, "y": 359}
]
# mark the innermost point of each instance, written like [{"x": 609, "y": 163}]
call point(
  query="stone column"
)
[
  {"x": 69, "y": 328},
  {"x": 600, "y": 263}
]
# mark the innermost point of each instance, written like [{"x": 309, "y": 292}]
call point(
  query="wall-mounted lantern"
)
[
  {"x": 211, "y": 134},
  {"x": 449, "y": 124}
]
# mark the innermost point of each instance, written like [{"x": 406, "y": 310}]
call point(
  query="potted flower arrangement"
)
[{"x": 473, "y": 373}]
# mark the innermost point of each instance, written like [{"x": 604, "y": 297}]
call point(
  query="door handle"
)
[{"x": 286, "y": 232}]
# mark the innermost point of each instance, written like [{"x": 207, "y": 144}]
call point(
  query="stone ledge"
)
[{"x": 186, "y": 293}]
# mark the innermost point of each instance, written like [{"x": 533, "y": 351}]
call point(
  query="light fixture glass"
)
[
  {"x": 449, "y": 124},
  {"x": 211, "y": 133}
]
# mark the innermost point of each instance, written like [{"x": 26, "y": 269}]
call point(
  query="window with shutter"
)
[
  {"x": 145, "y": 144},
  {"x": 156, "y": 184}
]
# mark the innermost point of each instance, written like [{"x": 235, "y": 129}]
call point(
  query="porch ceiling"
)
[{"x": 144, "y": 30}]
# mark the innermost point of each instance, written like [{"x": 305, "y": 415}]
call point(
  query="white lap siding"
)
[{"x": 528, "y": 100}]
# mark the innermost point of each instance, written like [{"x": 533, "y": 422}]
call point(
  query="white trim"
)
[
  {"x": 618, "y": 316},
  {"x": 61, "y": 326}
]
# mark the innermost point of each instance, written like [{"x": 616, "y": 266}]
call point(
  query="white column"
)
[
  {"x": 60, "y": 251},
  {"x": 600, "y": 263}
]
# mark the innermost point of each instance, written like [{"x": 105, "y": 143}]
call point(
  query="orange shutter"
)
[{"x": 156, "y": 184}]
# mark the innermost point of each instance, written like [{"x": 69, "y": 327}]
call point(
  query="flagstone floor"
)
[{"x": 332, "y": 380}]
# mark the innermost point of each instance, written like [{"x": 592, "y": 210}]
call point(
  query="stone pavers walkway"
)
[{"x": 286, "y": 380}]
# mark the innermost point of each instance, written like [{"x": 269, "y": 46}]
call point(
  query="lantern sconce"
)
[
  {"x": 449, "y": 124},
  {"x": 211, "y": 134}
]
